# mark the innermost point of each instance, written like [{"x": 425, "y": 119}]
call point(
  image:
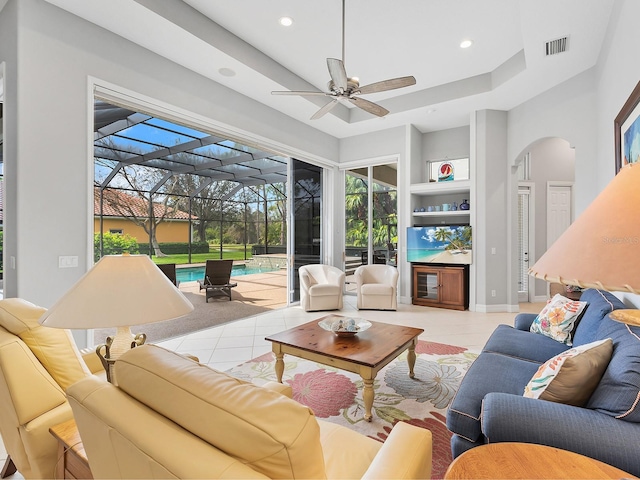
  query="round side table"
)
[{"x": 527, "y": 461}]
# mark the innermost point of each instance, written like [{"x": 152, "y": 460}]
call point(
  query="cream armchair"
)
[
  {"x": 321, "y": 287},
  {"x": 376, "y": 287},
  {"x": 36, "y": 365},
  {"x": 170, "y": 417}
]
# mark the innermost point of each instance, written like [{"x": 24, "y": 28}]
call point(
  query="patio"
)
[{"x": 255, "y": 294}]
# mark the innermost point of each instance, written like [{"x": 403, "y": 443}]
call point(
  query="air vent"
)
[{"x": 554, "y": 47}]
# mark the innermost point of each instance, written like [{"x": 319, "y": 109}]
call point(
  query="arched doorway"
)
[{"x": 546, "y": 173}]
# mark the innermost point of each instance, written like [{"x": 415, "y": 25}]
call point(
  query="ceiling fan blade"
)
[
  {"x": 337, "y": 72},
  {"x": 385, "y": 85},
  {"x": 325, "y": 109},
  {"x": 368, "y": 106},
  {"x": 309, "y": 94}
]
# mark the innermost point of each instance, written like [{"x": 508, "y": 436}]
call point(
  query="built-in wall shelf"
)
[
  {"x": 450, "y": 213},
  {"x": 441, "y": 188}
]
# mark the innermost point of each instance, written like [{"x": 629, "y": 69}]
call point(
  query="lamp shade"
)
[
  {"x": 601, "y": 249},
  {"x": 119, "y": 291}
]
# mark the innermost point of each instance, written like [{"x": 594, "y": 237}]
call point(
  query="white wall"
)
[
  {"x": 566, "y": 111},
  {"x": 492, "y": 209},
  {"x": 451, "y": 143},
  {"x": 618, "y": 72},
  {"x": 8, "y": 57}
]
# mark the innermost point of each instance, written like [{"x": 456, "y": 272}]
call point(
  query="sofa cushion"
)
[
  {"x": 522, "y": 344},
  {"x": 600, "y": 304},
  {"x": 53, "y": 347},
  {"x": 557, "y": 318},
  {"x": 618, "y": 393},
  {"x": 225, "y": 411},
  {"x": 572, "y": 376},
  {"x": 490, "y": 372}
]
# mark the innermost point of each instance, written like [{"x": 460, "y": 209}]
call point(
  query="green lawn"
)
[{"x": 233, "y": 252}]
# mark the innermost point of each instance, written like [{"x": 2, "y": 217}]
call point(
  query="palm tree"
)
[{"x": 459, "y": 238}]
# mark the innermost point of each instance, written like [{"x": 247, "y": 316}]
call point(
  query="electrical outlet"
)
[
  {"x": 67, "y": 261},
  {"x": 493, "y": 293}
]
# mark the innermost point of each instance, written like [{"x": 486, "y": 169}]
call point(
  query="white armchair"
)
[
  {"x": 321, "y": 287},
  {"x": 376, "y": 287}
]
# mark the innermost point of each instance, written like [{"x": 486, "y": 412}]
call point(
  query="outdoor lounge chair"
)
[
  {"x": 216, "y": 279},
  {"x": 169, "y": 269}
]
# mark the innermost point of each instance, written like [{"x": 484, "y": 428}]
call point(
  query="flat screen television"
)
[{"x": 449, "y": 244}]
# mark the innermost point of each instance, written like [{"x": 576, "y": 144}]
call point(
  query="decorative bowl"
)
[{"x": 344, "y": 326}]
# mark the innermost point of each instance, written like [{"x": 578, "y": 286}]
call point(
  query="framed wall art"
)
[{"x": 627, "y": 131}]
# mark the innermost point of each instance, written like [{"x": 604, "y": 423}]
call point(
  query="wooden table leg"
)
[
  {"x": 411, "y": 357},
  {"x": 279, "y": 362},
  {"x": 367, "y": 396},
  {"x": 8, "y": 469},
  {"x": 367, "y": 392}
]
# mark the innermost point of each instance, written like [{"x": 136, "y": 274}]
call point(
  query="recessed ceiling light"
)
[
  {"x": 226, "y": 72},
  {"x": 430, "y": 111},
  {"x": 466, "y": 44},
  {"x": 286, "y": 21}
]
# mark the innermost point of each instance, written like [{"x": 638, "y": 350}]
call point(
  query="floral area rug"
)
[{"x": 336, "y": 396}]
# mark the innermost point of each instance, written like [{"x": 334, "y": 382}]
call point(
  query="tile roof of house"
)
[{"x": 138, "y": 206}]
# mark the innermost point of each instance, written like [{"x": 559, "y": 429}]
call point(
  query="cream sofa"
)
[
  {"x": 36, "y": 365},
  {"x": 170, "y": 417}
]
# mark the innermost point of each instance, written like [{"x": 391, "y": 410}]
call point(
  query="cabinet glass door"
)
[{"x": 427, "y": 287}]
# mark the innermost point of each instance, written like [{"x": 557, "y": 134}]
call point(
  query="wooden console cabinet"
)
[{"x": 441, "y": 286}]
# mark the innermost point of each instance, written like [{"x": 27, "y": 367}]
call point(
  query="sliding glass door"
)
[
  {"x": 371, "y": 218},
  {"x": 306, "y": 220}
]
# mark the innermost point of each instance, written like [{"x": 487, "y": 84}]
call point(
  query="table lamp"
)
[
  {"x": 119, "y": 291},
  {"x": 601, "y": 249}
]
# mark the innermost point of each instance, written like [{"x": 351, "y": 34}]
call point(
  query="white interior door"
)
[{"x": 559, "y": 209}]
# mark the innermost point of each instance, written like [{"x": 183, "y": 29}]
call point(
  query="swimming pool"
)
[{"x": 192, "y": 274}]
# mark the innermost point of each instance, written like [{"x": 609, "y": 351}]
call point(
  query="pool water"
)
[{"x": 192, "y": 274}]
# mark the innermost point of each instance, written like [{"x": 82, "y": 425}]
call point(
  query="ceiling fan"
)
[{"x": 343, "y": 88}]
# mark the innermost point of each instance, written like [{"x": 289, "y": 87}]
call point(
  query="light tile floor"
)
[{"x": 226, "y": 346}]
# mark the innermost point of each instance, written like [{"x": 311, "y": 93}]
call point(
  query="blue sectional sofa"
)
[{"x": 490, "y": 407}]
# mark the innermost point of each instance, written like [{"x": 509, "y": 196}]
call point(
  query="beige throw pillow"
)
[{"x": 572, "y": 376}]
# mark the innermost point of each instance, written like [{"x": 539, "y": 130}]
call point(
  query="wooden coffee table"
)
[
  {"x": 527, "y": 461},
  {"x": 365, "y": 354}
]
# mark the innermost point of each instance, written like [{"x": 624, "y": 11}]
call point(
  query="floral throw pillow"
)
[
  {"x": 557, "y": 318},
  {"x": 572, "y": 376}
]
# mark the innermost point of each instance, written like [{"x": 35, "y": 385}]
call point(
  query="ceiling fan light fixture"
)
[
  {"x": 286, "y": 21},
  {"x": 343, "y": 88},
  {"x": 466, "y": 43}
]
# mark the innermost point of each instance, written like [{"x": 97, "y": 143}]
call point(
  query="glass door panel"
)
[
  {"x": 306, "y": 195},
  {"x": 356, "y": 200},
  {"x": 371, "y": 218},
  {"x": 385, "y": 214}
]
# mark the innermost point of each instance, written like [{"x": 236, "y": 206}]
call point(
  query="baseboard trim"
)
[{"x": 497, "y": 308}]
